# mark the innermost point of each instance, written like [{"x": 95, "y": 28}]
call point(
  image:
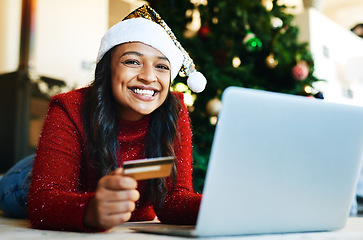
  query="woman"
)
[{"x": 128, "y": 113}]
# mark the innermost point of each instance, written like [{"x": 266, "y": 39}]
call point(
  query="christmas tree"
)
[{"x": 246, "y": 43}]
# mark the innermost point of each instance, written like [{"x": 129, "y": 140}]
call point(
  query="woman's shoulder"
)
[
  {"x": 67, "y": 106},
  {"x": 72, "y": 97}
]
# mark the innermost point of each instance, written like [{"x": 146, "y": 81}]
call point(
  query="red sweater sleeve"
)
[
  {"x": 182, "y": 205},
  {"x": 56, "y": 200}
]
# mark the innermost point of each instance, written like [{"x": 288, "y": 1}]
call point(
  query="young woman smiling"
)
[
  {"x": 140, "y": 77},
  {"x": 127, "y": 113}
]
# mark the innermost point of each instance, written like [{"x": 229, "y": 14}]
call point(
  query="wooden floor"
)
[{"x": 12, "y": 229}]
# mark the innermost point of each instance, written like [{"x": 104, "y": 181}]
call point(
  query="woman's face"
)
[{"x": 140, "y": 79}]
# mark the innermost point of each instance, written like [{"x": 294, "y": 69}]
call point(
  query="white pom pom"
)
[{"x": 196, "y": 82}]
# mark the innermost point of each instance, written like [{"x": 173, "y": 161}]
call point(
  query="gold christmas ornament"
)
[
  {"x": 213, "y": 107},
  {"x": 271, "y": 62},
  {"x": 276, "y": 22}
]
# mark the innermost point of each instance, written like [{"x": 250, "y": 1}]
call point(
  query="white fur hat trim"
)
[{"x": 144, "y": 31}]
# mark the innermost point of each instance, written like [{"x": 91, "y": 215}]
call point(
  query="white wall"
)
[
  {"x": 346, "y": 13},
  {"x": 10, "y": 17},
  {"x": 349, "y": 16},
  {"x": 338, "y": 57},
  {"x": 67, "y": 38}
]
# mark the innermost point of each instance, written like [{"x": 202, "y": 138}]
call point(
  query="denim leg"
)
[{"x": 14, "y": 188}]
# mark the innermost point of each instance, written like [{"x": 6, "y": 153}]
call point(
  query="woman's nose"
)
[{"x": 147, "y": 73}]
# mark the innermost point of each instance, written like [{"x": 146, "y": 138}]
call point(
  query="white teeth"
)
[{"x": 144, "y": 92}]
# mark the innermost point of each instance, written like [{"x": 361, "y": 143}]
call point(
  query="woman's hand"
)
[{"x": 113, "y": 202}]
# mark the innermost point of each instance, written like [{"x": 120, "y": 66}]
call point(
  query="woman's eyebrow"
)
[
  {"x": 131, "y": 53},
  {"x": 163, "y": 58}
]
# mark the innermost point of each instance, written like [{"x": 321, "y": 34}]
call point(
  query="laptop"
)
[{"x": 279, "y": 164}]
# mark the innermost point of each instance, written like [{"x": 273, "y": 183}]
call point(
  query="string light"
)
[
  {"x": 236, "y": 61},
  {"x": 308, "y": 89},
  {"x": 213, "y": 120},
  {"x": 189, "y": 97}
]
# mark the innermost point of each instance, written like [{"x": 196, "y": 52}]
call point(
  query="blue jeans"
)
[{"x": 14, "y": 188}]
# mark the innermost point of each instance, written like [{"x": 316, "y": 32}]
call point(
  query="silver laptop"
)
[{"x": 279, "y": 164}]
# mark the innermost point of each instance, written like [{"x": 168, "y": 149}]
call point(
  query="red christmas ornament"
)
[
  {"x": 300, "y": 71},
  {"x": 203, "y": 32}
]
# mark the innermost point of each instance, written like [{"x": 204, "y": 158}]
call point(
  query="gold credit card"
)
[{"x": 148, "y": 168}]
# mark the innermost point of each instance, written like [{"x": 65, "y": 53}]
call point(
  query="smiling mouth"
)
[{"x": 144, "y": 92}]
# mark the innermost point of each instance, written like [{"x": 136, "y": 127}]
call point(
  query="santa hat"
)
[{"x": 146, "y": 26}]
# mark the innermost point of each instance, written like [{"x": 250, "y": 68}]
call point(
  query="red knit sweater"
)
[{"x": 63, "y": 181}]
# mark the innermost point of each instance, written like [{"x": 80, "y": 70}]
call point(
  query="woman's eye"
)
[
  {"x": 131, "y": 62},
  {"x": 162, "y": 66}
]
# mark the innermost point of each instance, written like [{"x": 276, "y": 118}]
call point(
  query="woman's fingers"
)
[
  {"x": 115, "y": 181},
  {"x": 117, "y": 188},
  {"x": 101, "y": 213},
  {"x": 118, "y": 171},
  {"x": 122, "y": 195},
  {"x": 109, "y": 221},
  {"x": 114, "y": 213},
  {"x": 111, "y": 208}
]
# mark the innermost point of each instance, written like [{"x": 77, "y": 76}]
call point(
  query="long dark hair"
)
[
  {"x": 101, "y": 122},
  {"x": 160, "y": 139}
]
